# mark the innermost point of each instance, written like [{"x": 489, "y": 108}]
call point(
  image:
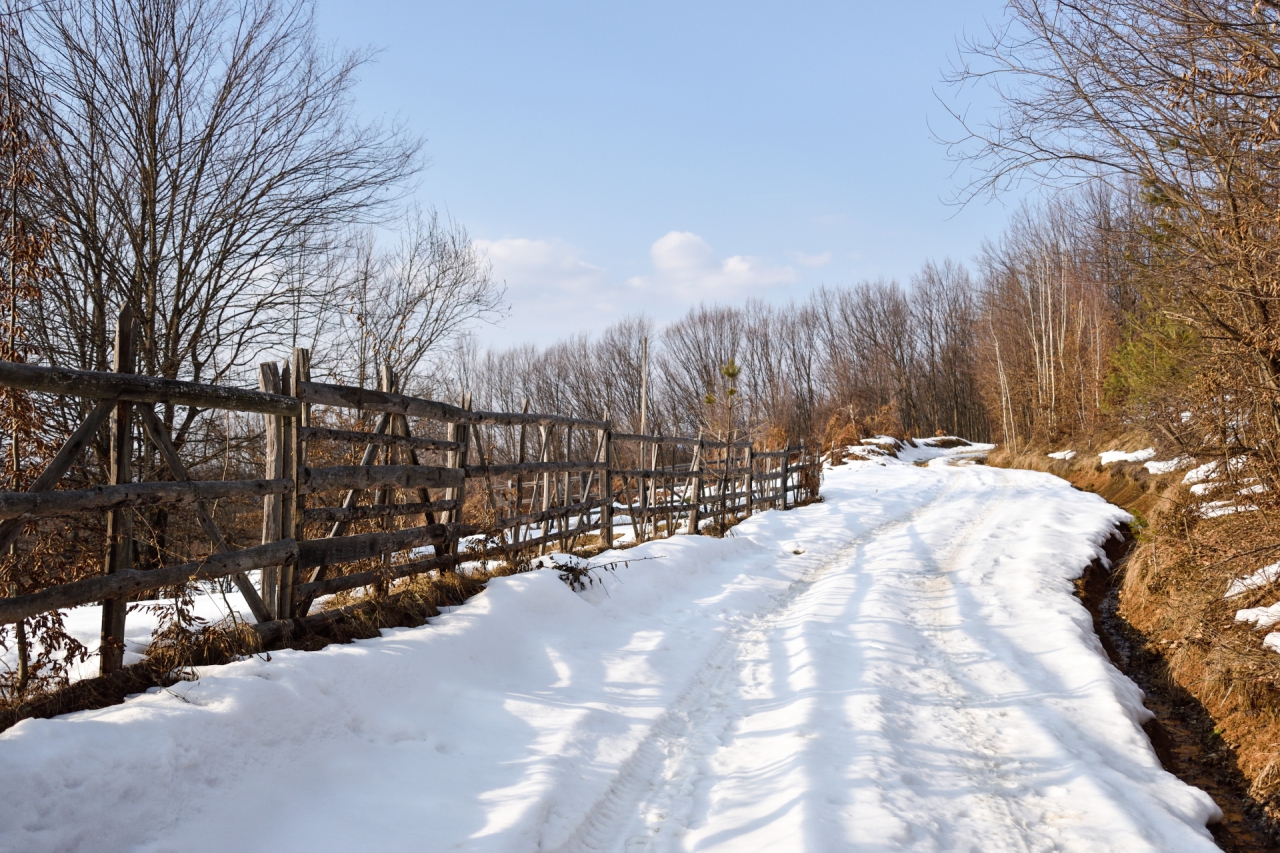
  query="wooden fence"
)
[{"x": 531, "y": 483}]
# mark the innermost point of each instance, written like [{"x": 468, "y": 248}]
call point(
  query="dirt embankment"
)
[{"x": 1161, "y": 615}]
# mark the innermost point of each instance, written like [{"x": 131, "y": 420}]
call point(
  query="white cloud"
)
[
  {"x": 819, "y": 260},
  {"x": 532, "y": 266},
  {"x": 683, "y": 262},
  {"x": 554, "y": 292}
]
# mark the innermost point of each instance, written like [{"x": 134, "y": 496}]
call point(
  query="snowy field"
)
[{"x": 902, "y": 667}]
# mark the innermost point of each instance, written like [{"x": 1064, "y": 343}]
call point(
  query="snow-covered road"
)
[{"x": 902, "y": 667}]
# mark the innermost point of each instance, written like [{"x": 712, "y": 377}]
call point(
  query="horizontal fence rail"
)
[{"x": 348, "y": 497}]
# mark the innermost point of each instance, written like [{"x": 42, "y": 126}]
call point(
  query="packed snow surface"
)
[
  {"x": 1106, "y": 457},
  {"x": 904, "y": 666}
]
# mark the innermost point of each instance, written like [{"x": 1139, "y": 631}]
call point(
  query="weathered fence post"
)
[
  {"x": 642, "y": 491},
  {"x": 272, "y": 505},
  {"x": 567, "y": 499},
  {"x": 543, "y": 456},
  {"x": 451, "y": 432},
  {"x": 652, "y": 467},
  {"x": 723, "y": 490},
  {"x": 606, "y": 484},
  {"x": 295, "y": 470},
  {"x": 751, "y": 478},
  {"x": 119, "y": 521},
  {"x": 387, "y": 383},
  {"x": 806, "y": 475},
  {"x": 695, "y": 483},
  {"x": 518, "y": 534},
  {"x": 463, "y": 437},
  {"x": 786, "y": 475}
]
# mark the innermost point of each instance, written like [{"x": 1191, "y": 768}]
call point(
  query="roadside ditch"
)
[{"x": 1183, "y": 732}]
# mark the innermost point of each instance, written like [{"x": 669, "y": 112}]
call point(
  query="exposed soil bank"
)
[{"x": 1183, "y": 732}]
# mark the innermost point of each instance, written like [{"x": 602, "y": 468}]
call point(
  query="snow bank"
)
[
  {"x": 1207, "y": 471},
  {"x": 920, "y": 451},
  {"x": 927, "y": 450},
  {"x": 1063, "y": 455},
  {"x": 1109, "y": 456},
  {"x": 904, "y": 666},
  {"x": 1217, "y": 509}
]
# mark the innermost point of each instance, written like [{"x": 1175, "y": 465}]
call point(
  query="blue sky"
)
[{"x": 625, "y": 157}]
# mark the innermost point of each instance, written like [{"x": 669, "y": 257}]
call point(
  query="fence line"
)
[{"x": 529, "y": 482}]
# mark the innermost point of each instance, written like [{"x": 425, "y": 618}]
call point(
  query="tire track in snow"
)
[
  {"x": 639, "y": 808},
  {"x": 945, "y": 661},
  {"x": 941, "y": 629}
]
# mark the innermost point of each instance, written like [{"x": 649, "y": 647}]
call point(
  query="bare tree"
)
[
  {"x": 195, "y": 148},
  {"x": 397, "y": 306}
]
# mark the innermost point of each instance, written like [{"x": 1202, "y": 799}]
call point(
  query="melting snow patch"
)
[
  {"x": 1260, "y": 617},
  {"x": 944, "y": 448},
  {"x": 1170, "y": 465},
  {"x": 1264, "y": 576},
  {"x": 1211, "y": 470},
  {"x": 1216, "y": 509},
  {"x": 1272, "y": 642},
  {"x": 1063, "y": 455},
  {"x": 1207, "y": 471},
  {"x": 1109, "y": 456}
]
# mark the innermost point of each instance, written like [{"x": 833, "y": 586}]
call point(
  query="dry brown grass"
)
[{"x": 177, "y": 656}]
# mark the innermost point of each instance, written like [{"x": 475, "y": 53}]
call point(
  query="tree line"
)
[{"x": 871, "y": 357}]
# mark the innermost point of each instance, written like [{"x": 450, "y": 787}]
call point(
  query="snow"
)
[
  {"x": 1170, "y": 465},
  {"x": 926, "y": 451},
  {"x": 1063, "y": 455},
  {"x": 903, "y": 666},
  {"x": 1109, "y": 456},
  {"x": 85, "y": 625},
  {"x": 1217, "y": 509},
  {"x": 1204, "y": 472},
  {"x": 1272, "y": 642},
  {"x": 1260, "y": 617},
  {"x": 1208, "y": 478},
  {"x": 1211, "y": 470},
  {"x": 920, "y": 451},
  {"x": 1263, "y": 577}
]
